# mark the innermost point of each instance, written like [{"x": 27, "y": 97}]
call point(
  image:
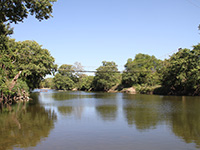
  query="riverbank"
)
[{"x": 138, "y": 89}]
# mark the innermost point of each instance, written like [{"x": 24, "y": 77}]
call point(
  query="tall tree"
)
[
  {"x": 68, "y": 70},
  {"x": 65, "y": 78},
  {"x": 181, "y": 73},
  {"x": 106, "y": 76},
  {"x": 34, "y": 61},
  {"x": 29, "y": 62},
  {"x": 141, "y": 70},
  {"x": 85, "y": 82},
  {"x": 62, "y": 82},
  {"x": 14, "y": 11}
]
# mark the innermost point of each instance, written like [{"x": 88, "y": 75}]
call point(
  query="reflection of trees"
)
[
  {"x": 107, "y": 112},
  {"x": 68, "y": 95},
  {"x": 186, "y": 122},
  {"x": 101, "y": 95},
  {"x": 142, "y": 111},
  {"x": 65, "y": 110},
  {"x": 142, "y": 117},
  {"x": 25, "y": 127},
  {"x": 69, "y": 110},
  {"x": 182, "y": 113},
  {"x": 64, "y": 96},
  {"x": 106, "y": 105}
]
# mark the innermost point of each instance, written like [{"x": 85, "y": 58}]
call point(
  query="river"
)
[{"x": 102, "y": 121}]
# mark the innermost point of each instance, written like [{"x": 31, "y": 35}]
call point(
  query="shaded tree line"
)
[
  {"x": 178, "y": 75},
  {"x": 70, "y": 77}
]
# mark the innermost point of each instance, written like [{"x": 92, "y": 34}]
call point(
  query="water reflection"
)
[
  {"x": 65, "y": 110},
  {"x": 106, "y": 106},
  {"x": 26, "y": 126},
  {"x": 108, "y": 96},
  {"x": 69, "y": 111},
  {"x": 69, "y": 95},
  {"x": 186, "y": 122},
  {"x": 142, "y": 111},
  {"x": 180, "y": 113},
  {"x": 103, "y": 121},
  {"x": 107, "y": 112}
]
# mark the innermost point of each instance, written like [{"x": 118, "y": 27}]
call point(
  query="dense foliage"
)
[
  {"x": 47, "y": 83},
  {"x": 178, "y": 75},
  {"x": 65, "y": 78},
  {"x": 23, "y": 67},
  {"x": 141, "y": 70},
  {"x": 25, "y": 61},
  {"x": 34, "y": 61},
  {"x": 16, "y": 10},
  {"x": 106, "y": 76},
  {"x": 70, "y": 77},
  {"x": 181, "y": 73},
  {"x": 85, "y": 83}
]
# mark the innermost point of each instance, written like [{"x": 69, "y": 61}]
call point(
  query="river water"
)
[{"x": 102, "y": 121}]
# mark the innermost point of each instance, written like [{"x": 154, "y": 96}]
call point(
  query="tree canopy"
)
[
  {"x": 181, "y": 73},
  {"x": 23, "y": 67},
  {"x": 26, "y": 60},
  {"x": 141, "y": 70},
  {"x": 16, "y": 10},
  {"x": 62, "y": 82},
  {"x": 65, "y": 78},
  {"x": 34, "y": 61},
  {"x": 106, "y": 76}
]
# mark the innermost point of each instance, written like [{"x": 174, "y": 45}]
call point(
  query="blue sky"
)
[{"x": 91, "y": 31}]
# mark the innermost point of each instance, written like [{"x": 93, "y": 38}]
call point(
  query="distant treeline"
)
[{"x": 178, "y": 75}]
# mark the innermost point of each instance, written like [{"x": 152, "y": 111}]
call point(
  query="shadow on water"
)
[
  {"x": 186, "y": 122},
  {"x": 26, "y": 126},
  {"x": 65, "y": 110},
  {"x": 107, "y": 112},
  {"x": 69, "y": 111},
  {"x": 180, "y": 113},
  {"x": 142, "y": 111},
  {"x": 106, "y": 106}
]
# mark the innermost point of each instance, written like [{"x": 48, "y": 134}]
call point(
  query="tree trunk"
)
[{"x": 14, "y": 81}]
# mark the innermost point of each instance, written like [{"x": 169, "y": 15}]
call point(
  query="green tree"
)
[
  {"x": 141, "y": 70},
  {"x": 181, "y": 73},
  {"x": 15, "y": 11},
  {"x": 86, "y": 82},
  {"x": 63, "y": 82},
  {"x": 66, "y": 78},
  {"x": 28, "y": 62},
  {"x": 69, "y": 71},
  {"x": 47, "y": 83},
  {"x": 106, "y": 76},
  {"x": 32, "y": 61},
  {"x": 5, "y": 61},
  {"x": 70, "y": 76}
]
